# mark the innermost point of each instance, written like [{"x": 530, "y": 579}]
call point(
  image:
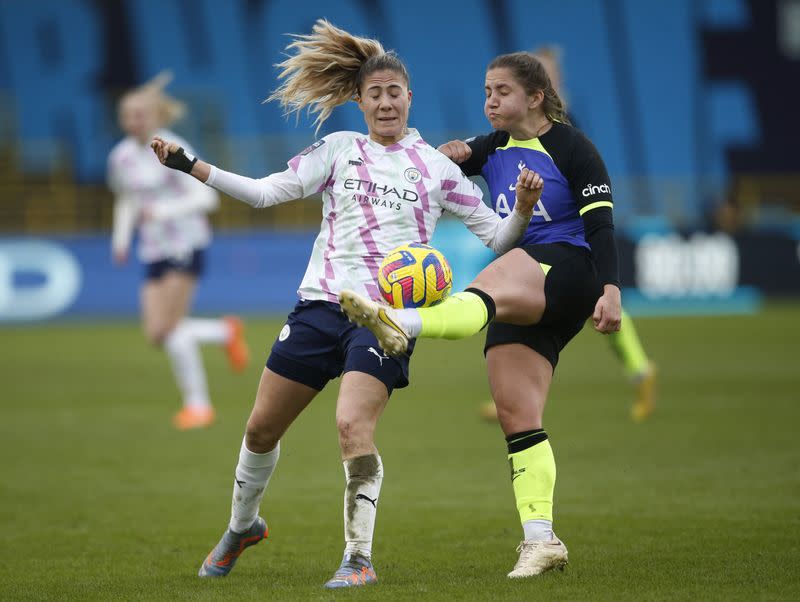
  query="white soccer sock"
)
[
  {"x": 410, "y": 320},
  {"x": 250, "y": 480},
  {"x": 364, "y": 476},
  {"x": 538, "y": 530},
  {"x": 205, "y": 330},
  {"x": 187, "y": 365}
]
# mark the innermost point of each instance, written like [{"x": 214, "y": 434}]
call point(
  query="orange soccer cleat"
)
[
  {"x": 236, "y": 347},
  {"x": 191, "y": 417}
]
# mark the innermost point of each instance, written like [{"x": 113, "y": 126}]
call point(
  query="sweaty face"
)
[
  {"x": 137, "y": 117},
  {"x": 385, "y": 100},
  {"x": 507, "y": 104}
]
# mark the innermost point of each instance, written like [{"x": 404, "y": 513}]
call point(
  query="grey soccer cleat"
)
[
  {"x": 221, "y": 559},
  {"x": 355, "y": 570}
]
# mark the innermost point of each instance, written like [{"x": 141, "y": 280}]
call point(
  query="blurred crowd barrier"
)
[{"x": 664, "y": 271}]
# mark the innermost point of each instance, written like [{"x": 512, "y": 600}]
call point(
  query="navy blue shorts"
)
[
  {"x": 318, "y": 344},
  {"x": 193, "y": 264}
]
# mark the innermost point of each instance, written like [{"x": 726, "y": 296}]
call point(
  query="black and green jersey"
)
[
  {"x": 575, "y": 179},
  {"x": 576, "y": 201}
]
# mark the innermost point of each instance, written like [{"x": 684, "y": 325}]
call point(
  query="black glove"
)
[{"x": 181, "y": 160}]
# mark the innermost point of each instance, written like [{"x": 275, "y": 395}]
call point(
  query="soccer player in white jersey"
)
[
  {"x": 169, "y": 209},
  {"x": 379, "y": 190}
]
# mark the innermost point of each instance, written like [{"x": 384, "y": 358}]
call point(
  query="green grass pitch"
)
[{"x": 101, "y": 499}]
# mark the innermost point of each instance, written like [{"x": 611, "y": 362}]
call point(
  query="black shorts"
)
[
  {"x": 571, "y": 290},
  {"x": 193, "y": 263},
  {"x": 318, "y": 344}
]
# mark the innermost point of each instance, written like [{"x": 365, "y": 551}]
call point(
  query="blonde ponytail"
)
[{"x": 327, "y": 70}]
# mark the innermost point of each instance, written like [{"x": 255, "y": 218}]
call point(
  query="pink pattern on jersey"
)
[
  {"x": 418, "y": 162},
  {"x": 467, "y": 200},
  {"x": 361, "y": 142},
  {"x": 423, "y": 230},
  {"x": 294, "y": 162},
  {"x": 330, "y": 181},
  {"x": 393, "y": 148},
  {"x": 373, "y": 257},
  {"x": 423, "y": 194},
  {"x": 329, "y": 273}
]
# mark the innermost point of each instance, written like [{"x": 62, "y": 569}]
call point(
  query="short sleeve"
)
[{"x": 312, "y": 166}]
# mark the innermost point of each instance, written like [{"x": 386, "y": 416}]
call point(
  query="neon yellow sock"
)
[
  {"x": 533, "y": 476},
  {"x": 628, "y": 348},
  {"x": 457, "y": 317}
]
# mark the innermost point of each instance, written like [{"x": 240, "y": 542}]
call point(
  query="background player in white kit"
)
[
  {"x": 379, "y": 190},
  {"x": 169, "y": 210}
]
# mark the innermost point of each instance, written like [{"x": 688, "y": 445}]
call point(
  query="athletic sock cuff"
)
[
  {"x": 521, "y": 441},
  {"x": 491, "y": 309}
]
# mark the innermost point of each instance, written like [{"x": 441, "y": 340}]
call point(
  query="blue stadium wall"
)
[
  {"x": 640, "y": 76},
  {"x": 664, "y": 272}
]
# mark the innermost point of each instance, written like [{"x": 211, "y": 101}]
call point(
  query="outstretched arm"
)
[
  {"x": 499, "y": 234},
  {"x": 265, "y": 192}
]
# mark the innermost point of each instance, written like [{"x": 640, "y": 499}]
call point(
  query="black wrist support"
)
[{"x": 181, "y": 160}]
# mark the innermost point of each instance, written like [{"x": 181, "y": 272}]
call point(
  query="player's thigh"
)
[
  {"x": 180, "y": 288},
  {"x": 519, "y": 380},
  {"x": 152, "y": 298},
  {"x": 164, "y": 302},
  {"x": 279, "y": 401},
  {"x": 516, "y": 283}
]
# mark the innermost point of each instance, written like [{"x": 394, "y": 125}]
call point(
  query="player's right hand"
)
[
  {"x": 457, "y": 151},
  {"x": 529, "y": 190}
]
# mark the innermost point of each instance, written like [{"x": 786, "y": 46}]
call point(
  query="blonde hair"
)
[
  {"x": 168, "y": 109},
  {"x": 328, "y": 68}
]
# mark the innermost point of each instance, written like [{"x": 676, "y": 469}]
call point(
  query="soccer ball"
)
[{"x": 414, "y": 275}]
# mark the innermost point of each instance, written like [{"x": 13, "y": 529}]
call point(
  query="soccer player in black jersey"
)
[
  {"x": 536, "y": 297},
  {"x": 625, "y": 344}
]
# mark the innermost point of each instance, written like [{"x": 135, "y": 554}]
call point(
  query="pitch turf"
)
[{"x": 101, "y": 499}]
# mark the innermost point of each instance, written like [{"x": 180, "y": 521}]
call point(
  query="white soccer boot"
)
[
  {"x": 378, "y": 318},
  {"x": 537, "y": 557}
]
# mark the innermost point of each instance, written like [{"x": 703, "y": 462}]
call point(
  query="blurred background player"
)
[
  {"x": 378, "y": 190},
  {"x": 169, "y": 209},
  {"x": 625, "y": 344}
]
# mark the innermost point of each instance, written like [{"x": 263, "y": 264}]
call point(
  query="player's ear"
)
[
  {"x": 536, "y": 99},
  {"x": 357, "y": 99}
]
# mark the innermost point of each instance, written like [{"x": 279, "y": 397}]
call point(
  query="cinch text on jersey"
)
[
  {"x": 591, "y": 189},
  {"x": 377, "y": 189}
]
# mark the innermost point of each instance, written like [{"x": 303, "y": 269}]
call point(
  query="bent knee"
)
[
  {"x": 157, "y": 336},
  {"x": 354, "y": 433},
  {"x": 260, "y": 438}
]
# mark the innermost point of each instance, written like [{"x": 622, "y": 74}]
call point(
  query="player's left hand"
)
[
  {"x": 607, "y": 315},
  {"x": 529, "y": 190}
]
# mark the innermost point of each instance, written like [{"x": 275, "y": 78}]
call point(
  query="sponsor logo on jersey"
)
[
  {"x": 412, "y": 174},
  {"x": 358, "y": 161},
  {"x": 379, "y": 195},
  {"x": 313, "y": 147},
  {"x": 284, "y": 333},
  {"x": 593, "y": 189}
]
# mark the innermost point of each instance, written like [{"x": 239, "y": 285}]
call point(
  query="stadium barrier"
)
[{"x": 663, "y": 272}]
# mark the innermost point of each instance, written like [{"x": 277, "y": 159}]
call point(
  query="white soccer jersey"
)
[
  {"x": 375, "y": 198},
  {"x": 175, "y": 203}
]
